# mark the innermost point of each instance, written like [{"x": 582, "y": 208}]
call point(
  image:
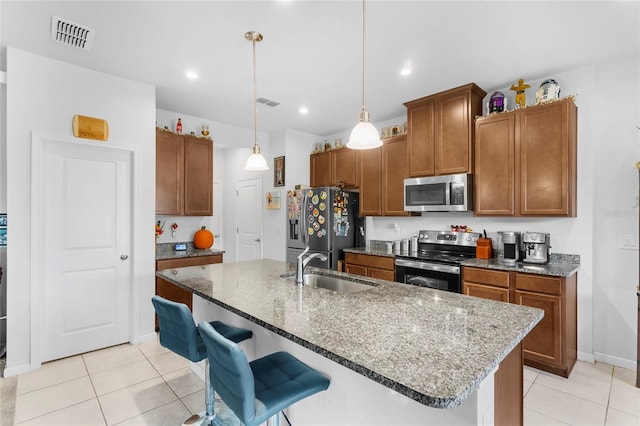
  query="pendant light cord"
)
[
  {"x": 255, "y": 98},
  {"x": 364, "y": 108}
]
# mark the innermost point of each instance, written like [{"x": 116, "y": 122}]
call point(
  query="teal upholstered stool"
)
[
  {"x": 179, "y": 334},
  {"x": 260, "y": 389}
]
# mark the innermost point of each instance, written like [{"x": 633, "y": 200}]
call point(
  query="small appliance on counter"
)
[
  {"x": 536, "y": 247},
  {"x": 510, "y": 246},
  {"x": 484, "y": 247}
]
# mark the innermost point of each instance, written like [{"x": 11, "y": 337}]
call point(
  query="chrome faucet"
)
[{"x": 302, "y": 263}]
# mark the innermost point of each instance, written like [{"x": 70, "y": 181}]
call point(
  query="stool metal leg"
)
[
  {"x": 209, "y": 395},
  {"x": 207, "y": 417},
  {"x": 274, "y": 420}
]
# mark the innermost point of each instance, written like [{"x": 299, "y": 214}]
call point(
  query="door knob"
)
[
  {"x": 257, "y": 240},
  {"x": 123, "y": 257}
]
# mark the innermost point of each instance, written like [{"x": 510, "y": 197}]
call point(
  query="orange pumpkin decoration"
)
[{"x": 203, "y": 238}]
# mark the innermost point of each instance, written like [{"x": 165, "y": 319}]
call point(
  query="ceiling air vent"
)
[
  {"x": 71, "y": 34},
  {"x": 267, "y": 102}
]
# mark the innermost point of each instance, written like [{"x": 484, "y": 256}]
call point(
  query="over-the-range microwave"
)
[{"x": 447, "y": 193}]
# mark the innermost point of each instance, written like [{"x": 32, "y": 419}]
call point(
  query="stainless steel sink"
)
[{"x": 333, "y": 283}]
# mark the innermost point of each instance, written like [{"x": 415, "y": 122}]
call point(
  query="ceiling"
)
[{"x": 311, "y": 54}]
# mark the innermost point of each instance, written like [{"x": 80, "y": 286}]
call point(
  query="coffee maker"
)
[
  {"x": 536, "y": 247},
  {"x": 509, "y": 247}
]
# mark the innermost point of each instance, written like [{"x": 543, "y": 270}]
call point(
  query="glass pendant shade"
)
[
  {"x": 364, "y": 136},
  {"x": 256, "y": 161}
]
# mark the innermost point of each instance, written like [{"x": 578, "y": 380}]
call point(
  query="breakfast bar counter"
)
[{"x": 433, "y": 347}]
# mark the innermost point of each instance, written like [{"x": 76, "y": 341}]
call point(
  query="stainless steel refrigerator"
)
[{"x": 326, "y": 219}]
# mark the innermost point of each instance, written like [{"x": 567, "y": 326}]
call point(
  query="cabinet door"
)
[
  {"x": 320, "y": 169},
  {"x": 420, "y": 138},
  {"x": 370, "y": 180},
  {"x": 343, "y": 165},
  {"x": 494, "y": 177},
  {"x": 169, "y": 173},
  {"x": 355, "y": 269},
  {"x": 453, "y": 135},
  {"x": 544, "y": 343},
  {"x": 198, "y": 176},
  {"x": 394, "y": 172},
  {"x": 547, "y": 159}
]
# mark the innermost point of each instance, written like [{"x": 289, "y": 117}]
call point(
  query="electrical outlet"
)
[{"x": 628, "y": 242}]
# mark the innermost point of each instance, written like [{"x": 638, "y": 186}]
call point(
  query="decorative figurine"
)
[
  {"x": 179, "y": 126},
  {"x": 496, "y": 102},
  {"x": 549, "y": 90},
  {"x": 205, "y": 130},
  {"x": 520, "y": 95}
]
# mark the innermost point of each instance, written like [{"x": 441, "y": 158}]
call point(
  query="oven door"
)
[{"x": 428, "y": 274}]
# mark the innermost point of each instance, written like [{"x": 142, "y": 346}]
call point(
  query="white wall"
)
[
  {"x": 296, "y": 147},
  {"x": 608, "y": 111},
  {"x": 42, "y": 96}
]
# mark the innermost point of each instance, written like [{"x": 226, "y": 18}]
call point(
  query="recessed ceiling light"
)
[
  {"x": 191, "y": 74},
  {"x": 405, "y": 71},
  {"x": 304, "y": 110}
]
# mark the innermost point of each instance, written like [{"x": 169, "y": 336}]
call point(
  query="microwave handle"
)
[{"x": 447, "y": 194}]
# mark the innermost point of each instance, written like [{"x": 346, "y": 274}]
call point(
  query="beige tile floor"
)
[{"x": 148, "y": 385}]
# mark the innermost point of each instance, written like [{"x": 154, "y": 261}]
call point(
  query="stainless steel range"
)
[{"x": 436, "y": 264}]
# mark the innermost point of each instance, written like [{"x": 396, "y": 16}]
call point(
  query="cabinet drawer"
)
[
  {"x": 380, "y": 262},
  {"x": 486, "y": 276},
  {"x": 539, "y": 284},
  {"x": 381, "y": 274},
  {"x": 188, "y": 261}
]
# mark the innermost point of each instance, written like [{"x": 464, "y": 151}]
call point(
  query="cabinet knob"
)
[
  {"x": 257, "y": 240},
  {"x": 123, "y": 257}
]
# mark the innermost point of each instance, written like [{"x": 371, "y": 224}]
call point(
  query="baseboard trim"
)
[
  {"x": 614, "y": 360},
  {"x": 18, "y": 369},
  {"x": 147, "y": 337},
  {"x": 586, "y": 357}
]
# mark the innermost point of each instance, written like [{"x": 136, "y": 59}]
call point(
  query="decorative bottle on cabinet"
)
[{"x": 179, "y": 126}]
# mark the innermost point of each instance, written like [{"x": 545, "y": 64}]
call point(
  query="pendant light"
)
[
  {"x": 255, "y": 161},
  {"x": 364, "y": 135}
]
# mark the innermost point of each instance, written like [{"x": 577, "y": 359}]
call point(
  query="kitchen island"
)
[{"x": 395, "y": 353}]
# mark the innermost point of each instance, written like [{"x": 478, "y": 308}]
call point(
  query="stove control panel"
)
[{"x": 449, "y": 237}]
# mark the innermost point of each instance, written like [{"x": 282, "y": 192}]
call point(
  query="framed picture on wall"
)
[{"x": 278, "y": 171}]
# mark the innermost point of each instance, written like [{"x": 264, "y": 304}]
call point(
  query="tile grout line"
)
[{"x": 94, "y": 390}]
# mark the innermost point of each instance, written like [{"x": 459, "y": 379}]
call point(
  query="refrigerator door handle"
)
[{"x": 303, "y": 221}]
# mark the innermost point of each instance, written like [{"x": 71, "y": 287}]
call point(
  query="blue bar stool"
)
[
  {"x": 260, "y": 389},
  {"x": 179, "y": 334}
]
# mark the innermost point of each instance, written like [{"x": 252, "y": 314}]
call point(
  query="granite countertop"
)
[
  {"x": 373, "y": 251},
  {"x": 560, "y": 265},
  {"x": 432, "y": 346},
  {"x": 166, "y": 251}
]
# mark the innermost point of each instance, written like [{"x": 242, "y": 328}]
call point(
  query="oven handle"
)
[{"x": 427, "y": 266}]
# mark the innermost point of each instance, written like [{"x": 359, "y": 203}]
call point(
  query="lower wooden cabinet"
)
[
  {"x": 552, "y": 344},
  {"x": 367, "y": 265},
  {"x": 173, "y": 292}
]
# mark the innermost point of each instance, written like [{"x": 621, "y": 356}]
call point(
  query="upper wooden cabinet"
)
[
  {"x": 440, "y": 131},
  {"x": 369, "y": 166},
  {"x": 334, "y": 168},
  {"x": 525, "y": 162},
  {"x": 381, "y": 175},
  {"x": 394, "y": 172},
  {"x": 184, "y": 175}
]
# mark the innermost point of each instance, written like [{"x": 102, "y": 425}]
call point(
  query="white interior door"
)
[
  {"x": 249, "y": 219},
  {"x": 216, "y": 220},
  {"x": 86, "y": 203}
]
